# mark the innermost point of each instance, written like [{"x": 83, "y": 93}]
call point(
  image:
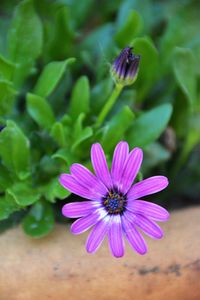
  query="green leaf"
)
[
  {"x": 60, "y": 33},
  {"x": 85, "y": 134},
  {"x": 149, "y": 126},
  {"x": 50, "y": 77},
  {"x": 80, "y": 12},
  {"x": 39, "y": 221},
  {"x": 144, "y": 8},
  {"x": 6, "y": 179},
  {"x": 155, "y": 154},
  {"x": 149, "y": 66},
  {"x": 78, "y": 126},
  {"x": 7, "y": 206},
  {"x": 192, "y": 138},
  {"x": 25, "y": 40},
  {"x": 181, "y": 115},
  {"x": 65, "y": 155},
  {"x": 23, "y": 194},
  {"x": 47, "y": 167},
  {"x": 115, "y": 129},
  {"x": 169, "y": 41},
  {"x": 15, "y": 150},
  {"x": 58, "y": 133},
  {"x": 80, "y": 134},
  {"x": 184, "y": 67},
  {"x": 6, "y": 68},
  {"x": 54, "y": 190},
  {"x": 12, "y": 220},
  {"x": 66, "y": 120},
  {"x": 131, "y": 28},
  {"x": 194, "y": 135},
  {"x": 40, "y": 110},
  {"x": 7, "y": 97},
  {"x": 79, "y": 102}
]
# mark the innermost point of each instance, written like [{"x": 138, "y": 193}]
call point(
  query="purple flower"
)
[
  {"x": 113, "y": 208},
  {"x": 125, "y": 67}
]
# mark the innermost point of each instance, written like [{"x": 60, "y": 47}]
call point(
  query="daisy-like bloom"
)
[
  {"x": 113, "y": 208},
  {"x": 125, "y": 67}
]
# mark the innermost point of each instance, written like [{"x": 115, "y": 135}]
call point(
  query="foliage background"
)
[{"x": 55, "y": 59}]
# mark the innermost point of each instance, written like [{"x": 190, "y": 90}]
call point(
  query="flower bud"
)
[{"x": 125, "y": 67}]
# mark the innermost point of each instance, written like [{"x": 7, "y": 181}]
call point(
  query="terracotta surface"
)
[{"x": 59, "y": 268}]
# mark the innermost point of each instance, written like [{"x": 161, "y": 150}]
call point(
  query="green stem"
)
[{"x": 109, "y": 104}]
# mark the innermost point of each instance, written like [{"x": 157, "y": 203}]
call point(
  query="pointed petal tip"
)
[
  {"x": 90, "y": 250},
  {"x": 73, "y": 166},
  {"x": 122, "y": 142},
  {"x": 150, "y": 210},
  {"x": 100, "y": 165},
  {"x": 166, "y": 180},
  {"x": 131, "y": 169},
  {"x": 160, "y": 237},
  {"x": 64, "y": 211},
  {"x": 168, "y": 216},
  {"x": 118, "y": 255},
  {"x": 165, "y": 216},
  {"x": 74, "y": 231},
  {"x": 97, "y": 235},
  {"x": 149, "y": 227},
  {"x": 148, "y": 186},
  {"x": 139, "y": 151},
  {"x": 115, "y": 237},
  {"x": 118, "y": 162},
  {"x": 88, "y": 180},
  {"x": 142, "y": 251},
  {"x": 95, "y": 145},
  {"x": 61, "y": 178},
  {"x": 133, "y": 236},
  {"x": 137, "y": 148},
  {"x": 163, "y": 179},
  {"x": 84, "y": 223}
]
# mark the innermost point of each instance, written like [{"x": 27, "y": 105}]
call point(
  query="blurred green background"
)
[{"x": 55, "y": 59}]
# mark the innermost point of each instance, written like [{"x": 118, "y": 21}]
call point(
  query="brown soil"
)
[{"x": 59, "y": 268}]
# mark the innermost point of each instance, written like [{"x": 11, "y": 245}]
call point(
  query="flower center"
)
[{"x": 114, "y": 202}]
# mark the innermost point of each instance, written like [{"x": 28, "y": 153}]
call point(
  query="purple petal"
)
[
  {"x": 85, "y": 223},
  {"x": 97, "y": 235},
  {"x": 79, "y": 209},
  {"x": 69, "y": 183},
  {"x": 122, "y": 70},
  {"x": 134, "y": 238},
  {"x": 88, "y": 180},
  {"x": 120, "y": 60},
  {"x": 150, "y": 210},
  {"x": 100, "y": 165},
  {"x": 131, "y": 168},
  {"x": 147, "y": 187},
  {"x": 119, "y": 158},
  {"x": 133, "y": 67},
  {"x": 115, "y": 237},
  {"x": 148, "y": 227}
]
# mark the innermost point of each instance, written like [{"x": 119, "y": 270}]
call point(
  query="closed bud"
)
[{"x": 125, "y": 67}]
